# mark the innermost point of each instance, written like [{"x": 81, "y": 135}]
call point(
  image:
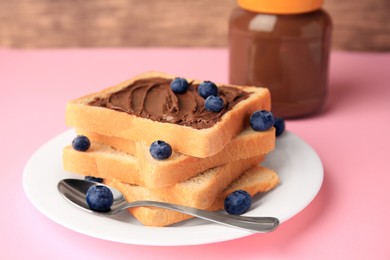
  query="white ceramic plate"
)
[{"x": 299, "y": 167}]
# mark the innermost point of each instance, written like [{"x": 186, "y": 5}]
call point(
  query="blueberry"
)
[
  {"x": 99, "y": 198},
  {"x": 94, "y": 179},
  {"x": 279, "y": 126},
  {"x": 179, "y": 85},
  {"x": 214, "y": 104},
  {"x": 262, "y": 120},
  {"x": 207, "y": 88},
  {"x": 81, "y": 143},
  {"x": 238, "y": 202},
  {"x": 160, "y": 150}
]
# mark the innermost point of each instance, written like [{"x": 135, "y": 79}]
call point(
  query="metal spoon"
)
[{"x": 74, "y": 190}]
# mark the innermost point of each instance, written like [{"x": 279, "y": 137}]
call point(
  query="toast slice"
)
[
  {"x": 179, "y": 167},
  {"x": 264, "y": 140},
  {"x": 142, "y": 169},
  {"x": 255, "y": 180},
  {"x": 199, "y": 191},
  {"x": 145, "y": 108}
]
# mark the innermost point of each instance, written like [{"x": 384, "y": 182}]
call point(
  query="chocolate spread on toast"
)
[{"x": 154, "y": 99}]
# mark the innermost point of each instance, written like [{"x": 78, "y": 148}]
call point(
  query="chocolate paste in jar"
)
[{"x": 287, "y": 53}]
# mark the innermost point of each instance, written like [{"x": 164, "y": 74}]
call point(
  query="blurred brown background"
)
[{"x": 358, "y": 24}]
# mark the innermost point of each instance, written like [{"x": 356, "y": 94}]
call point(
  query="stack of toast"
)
[{"x": 214, "y": 153}]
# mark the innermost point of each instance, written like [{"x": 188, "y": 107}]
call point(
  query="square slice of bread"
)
[
  {"x": 200, "y": 189},
  {"x": 101, "y": 160},
  {"x": 255, "y": 180},
  {"x": 80, "y": 114},
  {"x": 179, "y": 167}
]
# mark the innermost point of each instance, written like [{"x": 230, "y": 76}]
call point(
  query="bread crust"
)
[
  {"x": 263, "y": 140},
  {"x": 184, "y": 139}
]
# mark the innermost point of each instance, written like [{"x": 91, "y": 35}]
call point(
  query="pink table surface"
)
[{"x": 349, "y": 219}]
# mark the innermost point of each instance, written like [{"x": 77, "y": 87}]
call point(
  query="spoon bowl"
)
[{"x": 74, "y": 191}]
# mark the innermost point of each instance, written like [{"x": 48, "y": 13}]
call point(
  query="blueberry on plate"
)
[
  {"x": 160, "y": 150},
  {"x": 179, "y": 85},
  {"x": 207, "y": 88},
  {"x": 279, "y": 126},
  {"x": 261, "y": 120},
  {"x": 94, "y": 179},
  {"x": 214, "y": 104},
  {"x": 99, "y": 198},
  {"x": 81, "y": 143},
  {"x": 238, "y": 202}
]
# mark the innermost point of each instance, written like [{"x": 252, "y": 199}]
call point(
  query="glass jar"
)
[{"x": 284, "y": 48}]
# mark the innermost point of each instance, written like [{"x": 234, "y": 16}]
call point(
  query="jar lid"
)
[{"x": 280, "y": 6}]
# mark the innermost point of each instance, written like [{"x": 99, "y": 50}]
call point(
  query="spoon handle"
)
[{"x": 254, "y": 224}]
